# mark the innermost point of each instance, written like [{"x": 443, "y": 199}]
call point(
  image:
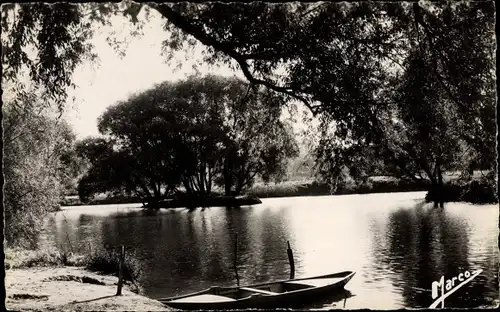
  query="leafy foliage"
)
[
  {"x": 43, "y": 43},
  {"x": 423, "y": 116},
  {"x": 258, "y": 141},
  {"x": 35, "y": 148},
  {"x": 108, "y": 170},
  {"x": 196, "y": 132},
  {"x": 374, "y": 72}
]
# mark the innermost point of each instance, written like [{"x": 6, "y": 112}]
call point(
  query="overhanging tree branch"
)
[
  {"x": 182, "y": 23},
  {"x": 430, "y": 34}
]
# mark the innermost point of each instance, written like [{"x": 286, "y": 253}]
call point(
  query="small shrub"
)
[
  {"x": 101, "y": 261},
  {"x": 479, "y": 192},
  {"x": 108, "y": 261},
  {"x": 23, "y": 258}
]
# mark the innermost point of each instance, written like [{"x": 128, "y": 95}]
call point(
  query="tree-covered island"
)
[{"x": 190, "y": 135}]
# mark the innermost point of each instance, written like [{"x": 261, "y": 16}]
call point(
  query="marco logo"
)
[{"x": 450, "y": 286}]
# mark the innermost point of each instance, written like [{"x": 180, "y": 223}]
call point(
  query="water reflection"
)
[
  {"x": 426, "y": 243},
  {"x": 397, "y": 245},
  {"x": 191, "y": 250}
]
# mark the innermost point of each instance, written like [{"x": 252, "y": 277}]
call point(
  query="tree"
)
[
  {"x": 35, "y": 145},
  {"x": 310, "y": 47},
  {"x": 259, "y": 142},
  {"x": 196, "y": 132},
  {"x": 450, "y": 90},
  {"x": 178, "y": 125},
  {"x": 72, "y": 165},
  {"x": 168, "y": 135},
  {"x": 106, "y": 171},
  {"x": 422, "y": 117},
  {"x": 135, "y": 159},
  {"x": 45, "y": 42},
  {"x": 336, "y": 58},
  {"x": 422, "y": 140}
]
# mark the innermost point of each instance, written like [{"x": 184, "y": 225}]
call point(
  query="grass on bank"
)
[
  {"x": 101, "y": 261},
  {"x": 313, "y": 188}
]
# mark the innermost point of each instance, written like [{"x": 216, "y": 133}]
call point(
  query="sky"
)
[{"x": 116, "y": 78}]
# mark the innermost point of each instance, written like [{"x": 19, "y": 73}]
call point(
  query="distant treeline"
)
[{"x": 477, "y": 191}]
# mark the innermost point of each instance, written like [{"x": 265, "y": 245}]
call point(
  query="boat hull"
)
[
  {"x": 294, "y": 298},
  {"x": 278, "y": 300}
]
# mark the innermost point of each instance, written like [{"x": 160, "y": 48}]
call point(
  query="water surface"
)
[{"x": 396, "y": 244}]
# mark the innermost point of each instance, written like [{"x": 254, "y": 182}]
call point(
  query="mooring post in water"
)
[
  {"x": 120, "y": 271},
  {"x": 345, "y": 297},
  {"x": 290, "y": 260},
  {"x": 235, "y": 260}
]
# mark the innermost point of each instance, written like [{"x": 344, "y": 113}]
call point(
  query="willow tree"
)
[
  {"x": 35, "y": 167},
  {"x": 259, "y": 142},
  {"x": 339, "y": 59},
  {"x": 424, "y": 111},
  {"x": 196, "y": 133}
]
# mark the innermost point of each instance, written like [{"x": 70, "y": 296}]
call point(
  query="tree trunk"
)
[
  {"x": 228, "y": 179},
  {"x": 440, "y": 185},
  {"x": 434, "y": 190},
  {"x": 227, "y": 187},
  {"x": 187, "y": 186},
  {"x": 156, "y": 190},
  {"x": 437, "y": 186},
  {"x": 239, "y": 186}
]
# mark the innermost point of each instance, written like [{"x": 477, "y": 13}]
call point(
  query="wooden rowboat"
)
[{"x": 278, "y": 294}]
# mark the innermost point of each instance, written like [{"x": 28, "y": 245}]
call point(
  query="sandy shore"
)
[{"x": 70, "y": 289}]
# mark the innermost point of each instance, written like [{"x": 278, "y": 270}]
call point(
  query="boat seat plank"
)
[
  {"x": 258, "y": 291},
  {"x": 317, "y": 282},
  {"x": 205, "y": 299}
]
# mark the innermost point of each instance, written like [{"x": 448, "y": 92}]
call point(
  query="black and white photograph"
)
[{"x": 176, "y": 156}]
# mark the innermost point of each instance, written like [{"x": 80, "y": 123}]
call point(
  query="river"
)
[{"x": 396, "y": 244}]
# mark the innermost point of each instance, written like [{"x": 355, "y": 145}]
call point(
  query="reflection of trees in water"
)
[
  {"x": 217, "y": 249},
  {"x": 163, "y": 242},
  {"x": 261, "y": 243},
  {"x": 424, "y": 244},
  {"x": 59, "y": 227},
  {"x": 236, "y": 221},
  {"x": 66, "y": 232},
  {"x": 87, "y": 232},
  {"x": 179, "y": 251},
  {"x": 183, "y": 251},
  {"x": 48, "y": 236},
  {"x": 274, "y": 236}
]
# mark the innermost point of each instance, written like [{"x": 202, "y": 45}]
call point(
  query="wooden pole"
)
[
  {"x": 235, "y": 260},
  {"x": 290, "y": 260},
  {"x": 345, "y": 297},
  {"x": 69, "y": 241},
  {"x": 120, "y": 271}
]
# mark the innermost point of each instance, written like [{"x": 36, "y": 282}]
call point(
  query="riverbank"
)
[
  {"x": 213, "y": 200},
  {"x": 260, "y": 190},
  {"x": 70, "y": 289},
  {"x": 39, "y": 281},
  {"x": 314, "y": 188},
  {"x": 476, "y": 191}
]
